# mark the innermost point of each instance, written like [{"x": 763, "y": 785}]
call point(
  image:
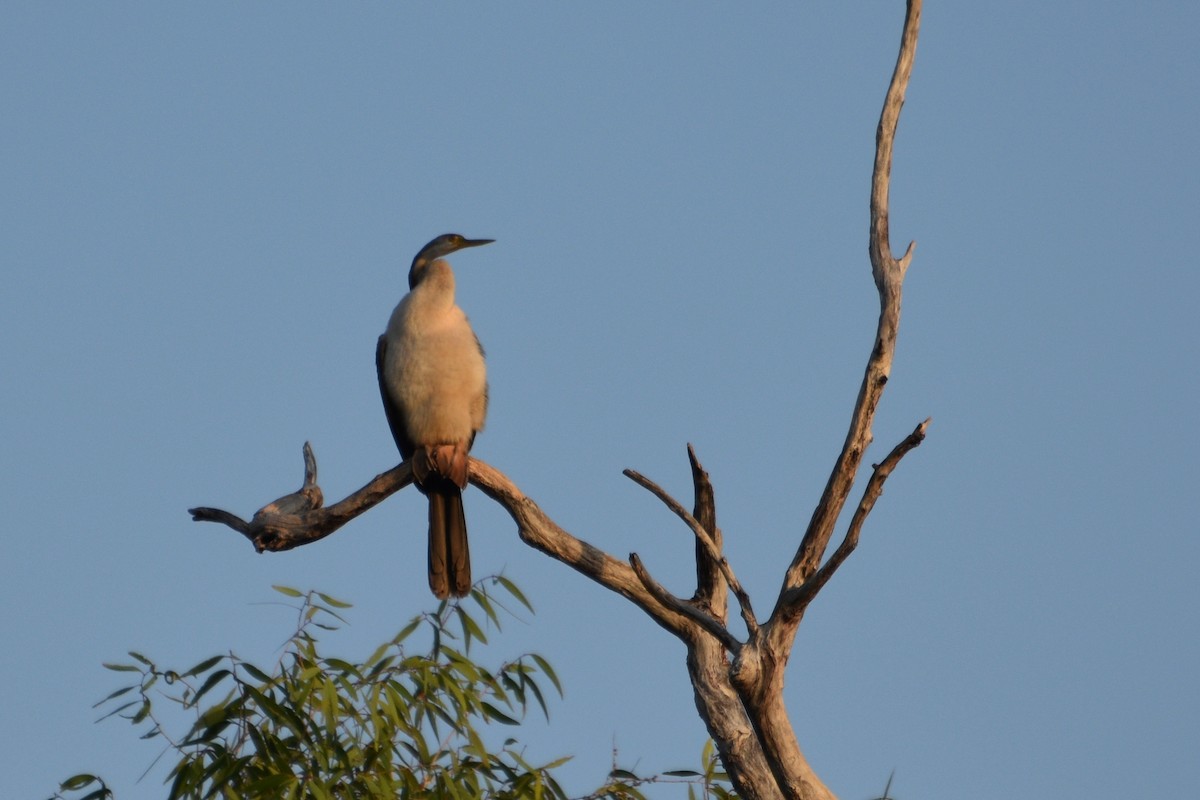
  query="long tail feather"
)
[{"x": 449, "y": 555}]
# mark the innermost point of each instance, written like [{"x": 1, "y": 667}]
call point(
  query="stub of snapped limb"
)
[
  {"x": 706, "y": 542},
  {"x": 299, "y": 518}
]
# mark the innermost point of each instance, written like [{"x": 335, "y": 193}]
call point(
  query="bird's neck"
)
[{"x": 436, "y": 289}]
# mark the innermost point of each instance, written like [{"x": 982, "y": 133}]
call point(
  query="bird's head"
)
[{"x": 443, "y": 245}]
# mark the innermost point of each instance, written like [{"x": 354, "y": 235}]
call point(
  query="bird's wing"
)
[{"x": 395, "y": 415}]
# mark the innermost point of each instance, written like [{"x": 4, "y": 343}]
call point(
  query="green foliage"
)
[{"x": 408, "y": 722}]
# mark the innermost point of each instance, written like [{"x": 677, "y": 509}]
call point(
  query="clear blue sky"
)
[{"x": 208, "y": 212}]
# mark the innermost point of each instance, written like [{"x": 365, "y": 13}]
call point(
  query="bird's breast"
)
[{"x": 436, "y": 373}]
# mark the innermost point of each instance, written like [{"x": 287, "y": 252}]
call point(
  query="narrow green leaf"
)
[
  {"x": 437, "y": 638},
  {"x": 537, "y": 693},
  {"x": 333, "y": 601},
  {"x": 488, "y": 607},
  {"x": 378, "y": 655},
  {"x": 203, "y": 666},
  {"x": 119, "y": 709},
  {"x": 287, "y": 590},
  {"x": 255, "y": 672},
  {"x": 335, "y": 615},
  {"x": 307, "y": 674},
  {"x": 117, "y": 693},
  {"x": 491, "y": 712},
  {"x": 476, "y": 746},
  {"x": 548, "y": 671},
  {"x": 142, "y": 713},
  {"x": 470, "y": 627},
  {"x": 141, "y": 658},
  {"x": 330, "y": 707},
  {"x": 77, "y": 782},
  {"x": 508, "y": 685},
  {"x": 514, "y": 591},
  {"x": 556, "y": 763},
  {"x": 120, "y": 667},
  {"x": 182, "y": 782},
  {"x": 211, "y": 681},
  {"x": 216, "y": 714},
  {"x": 555, "y": 789},
  {"x": 269, "y": 785},
  {"x": 682, "y": 773}
]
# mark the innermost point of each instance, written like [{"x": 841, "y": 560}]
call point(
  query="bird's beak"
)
[{"x": 476, "y": 242}]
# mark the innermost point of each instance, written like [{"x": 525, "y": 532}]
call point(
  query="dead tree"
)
[{"x": 737, "y": 679}]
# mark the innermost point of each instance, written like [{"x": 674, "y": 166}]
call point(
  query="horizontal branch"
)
[{"x": 297, "y": 519}]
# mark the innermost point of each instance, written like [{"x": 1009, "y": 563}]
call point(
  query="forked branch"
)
[
  {"x": 692, "y": 611},
  {"x": 298, "y": 518},
  {"x": 880, "y": 472},
  {"x": 888, "y": 273},
  {"x": 710, "y": 548}
]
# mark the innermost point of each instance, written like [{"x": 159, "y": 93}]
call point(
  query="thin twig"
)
[
  {"x": 805, "y": 594},
  {"x": 206, "y": 514},
  {"x": 683, "y": 607},
  {"x": 703, "y": 537}
]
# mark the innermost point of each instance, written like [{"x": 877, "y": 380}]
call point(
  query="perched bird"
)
[{"x": 433, "y": 381}]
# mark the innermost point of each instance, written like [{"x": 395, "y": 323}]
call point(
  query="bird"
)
[{"x": 433, "y": 381}]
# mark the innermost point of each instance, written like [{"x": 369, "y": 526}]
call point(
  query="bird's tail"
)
[{"x": 449, "y": 556}]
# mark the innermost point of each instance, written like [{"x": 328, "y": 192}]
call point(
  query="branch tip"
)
[
  {"x": 310, "y": 465},
  {"x": 704, "y": 540}
]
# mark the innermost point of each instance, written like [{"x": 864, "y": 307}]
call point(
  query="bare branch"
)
[
  {"x": 711, "y": 592},
  {"x": 704, "y": 539},
  {"x": 889, "y": 275},
  {"x": 297, "y": 519},
  {"x": 205, "y": 514},
  {"x": 804, "y": 595},
  {"x": 307, "y": 498},
  {"x": 886, "y": 269},
  {"x": 537, "y": 530},
  {"x": 274, "y": 529},
  {"x": 684, "y": 608}
]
